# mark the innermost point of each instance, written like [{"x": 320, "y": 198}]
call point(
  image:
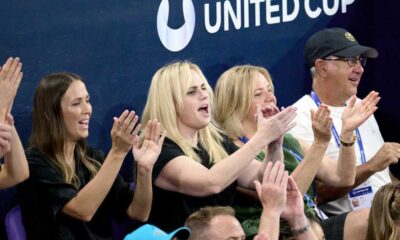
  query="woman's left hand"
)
[
  {"x": 147, "y": 154},
  {"x": 123, "y": 132}
]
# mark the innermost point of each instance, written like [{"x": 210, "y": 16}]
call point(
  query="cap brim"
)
[
  {"x": 357, "y": 50},
  {"x": 181, "y": 233}
]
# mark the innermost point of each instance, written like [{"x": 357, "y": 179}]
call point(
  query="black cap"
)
[{"x": 337, "y": 42}]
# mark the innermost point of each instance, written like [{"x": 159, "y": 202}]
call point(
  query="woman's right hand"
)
[
  {"x": 272, "y": 128},
  {"x": 122, "y": 132}
]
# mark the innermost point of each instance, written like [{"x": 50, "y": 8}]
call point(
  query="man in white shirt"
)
[{"x": 337, "y": 63}]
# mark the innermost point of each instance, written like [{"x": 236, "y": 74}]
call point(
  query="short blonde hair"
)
[
  {"x": 199, "y": 222},
  {"x": 233, "y": 97},
  {"x": 165, "y": 102}
]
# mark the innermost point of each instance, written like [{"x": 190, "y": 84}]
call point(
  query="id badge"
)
[{"x": 361, "y": 197}]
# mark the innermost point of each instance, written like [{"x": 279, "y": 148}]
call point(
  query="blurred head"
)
[
  {"x": 237, "y": 93},
  {"x": 384, "y": 217},
  {"x": 61, "y": 114},
  {"x": 217, "y": 223},
  {"x": 180, "y": 98}
]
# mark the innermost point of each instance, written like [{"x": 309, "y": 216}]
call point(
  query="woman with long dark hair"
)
[{"x": 74, "y": 192}]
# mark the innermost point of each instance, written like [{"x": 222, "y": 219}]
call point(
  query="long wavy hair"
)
[
  {"x": 165, "y": 102},
  {"x": 233, "y": 97},
  {"x": 48, "y": 127},
  {"x": 384, "y": 216}
]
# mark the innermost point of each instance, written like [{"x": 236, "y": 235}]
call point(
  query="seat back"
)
[{"x": 14, "y": 226}]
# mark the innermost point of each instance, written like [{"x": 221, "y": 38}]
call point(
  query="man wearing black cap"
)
[{"x": 337, "y": 63}]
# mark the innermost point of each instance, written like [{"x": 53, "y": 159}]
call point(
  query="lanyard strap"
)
[
  {"x": 298, "y": 157},
  {"x": 244, "y": 139},
  {"x": 336, "y": 135}
]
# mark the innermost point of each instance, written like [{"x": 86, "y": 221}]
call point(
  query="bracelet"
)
[
  {"x": 348, "y": 144},
  {"x": 299, "y": 231}
]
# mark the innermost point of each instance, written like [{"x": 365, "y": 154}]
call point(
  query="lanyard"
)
[
  {"x": 336, "y": 135},
  {"x": 298, "y": 157},
  {"x": 244, "y": 139}
]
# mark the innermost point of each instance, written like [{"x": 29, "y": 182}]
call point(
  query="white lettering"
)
[
  {"x": 269, "y": 10},
  {"x": 217, "y": 25},
  {"x": 345, "y": 3},
  {"x": 246, "y": 13},
  {"x": 286, "y": 17},
  {"x": 236, "y": 14},
  {"x": 257, "y": 16},
  {"x": 228, "y": 12},
  {"x": 330, "y": 11},
  {"x": 311, "y": 13}
]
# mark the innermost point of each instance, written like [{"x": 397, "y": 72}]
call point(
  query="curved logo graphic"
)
[{"x": 175, "y": 39}]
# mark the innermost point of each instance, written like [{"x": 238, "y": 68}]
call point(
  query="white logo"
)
[{"x": 175, "y": 39}]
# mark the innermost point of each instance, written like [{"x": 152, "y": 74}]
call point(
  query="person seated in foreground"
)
[{"x": 280, "y": 197}]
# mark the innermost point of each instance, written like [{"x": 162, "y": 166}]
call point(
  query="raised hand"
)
[
  {"x": 122, "y": 134},
  {"x": 10, "y": 78},
  {"x": 357, "y": 113},
  {"x": 147, "y": 154},
  {"x": 274, "y": 150},
  {"x": 272, "y": 128},
  {"x": 294, "y": 202},
  {"x": 321, "y": 124},
  {"x": 272, "y": 191}
]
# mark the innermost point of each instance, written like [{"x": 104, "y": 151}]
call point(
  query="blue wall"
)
[{"x": 115, "y": 47}]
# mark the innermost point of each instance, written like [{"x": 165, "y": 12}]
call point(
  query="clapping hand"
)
[
  {"x": 357, "y": 113},
  {"x": 294, "y": 201},
  {"x": 10, "y": 78},
  {"x": 123, "y": 132},
  {"x": 272, "y": 191},
  {"x": 321, "y": 124},
  {"x": 274, "y": 127},
  {"x": 147, "y": 154}
]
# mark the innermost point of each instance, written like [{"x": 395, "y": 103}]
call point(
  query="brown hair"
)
[
  {"x": 48, "y": 127},
  {"x": 384, "y": 216}
]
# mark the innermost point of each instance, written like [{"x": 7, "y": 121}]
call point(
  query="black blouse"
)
[
  {"x": 45, "y": 193},
  {"x": 170, "y": 209}
]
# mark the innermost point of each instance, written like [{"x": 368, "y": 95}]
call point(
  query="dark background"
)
[{"x": 115, "y": 47}]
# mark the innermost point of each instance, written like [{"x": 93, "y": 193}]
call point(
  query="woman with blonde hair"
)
[
  {"x": 198, "y": 166},
  {"x": 237, "y": 93},
  {"x": 384, "y": 216},
  {"x": 74, "y": 191}
]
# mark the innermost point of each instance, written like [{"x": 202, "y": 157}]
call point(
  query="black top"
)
[
  {"x": 45, "y": 193},
  {"x": 170, "y": 209}
]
